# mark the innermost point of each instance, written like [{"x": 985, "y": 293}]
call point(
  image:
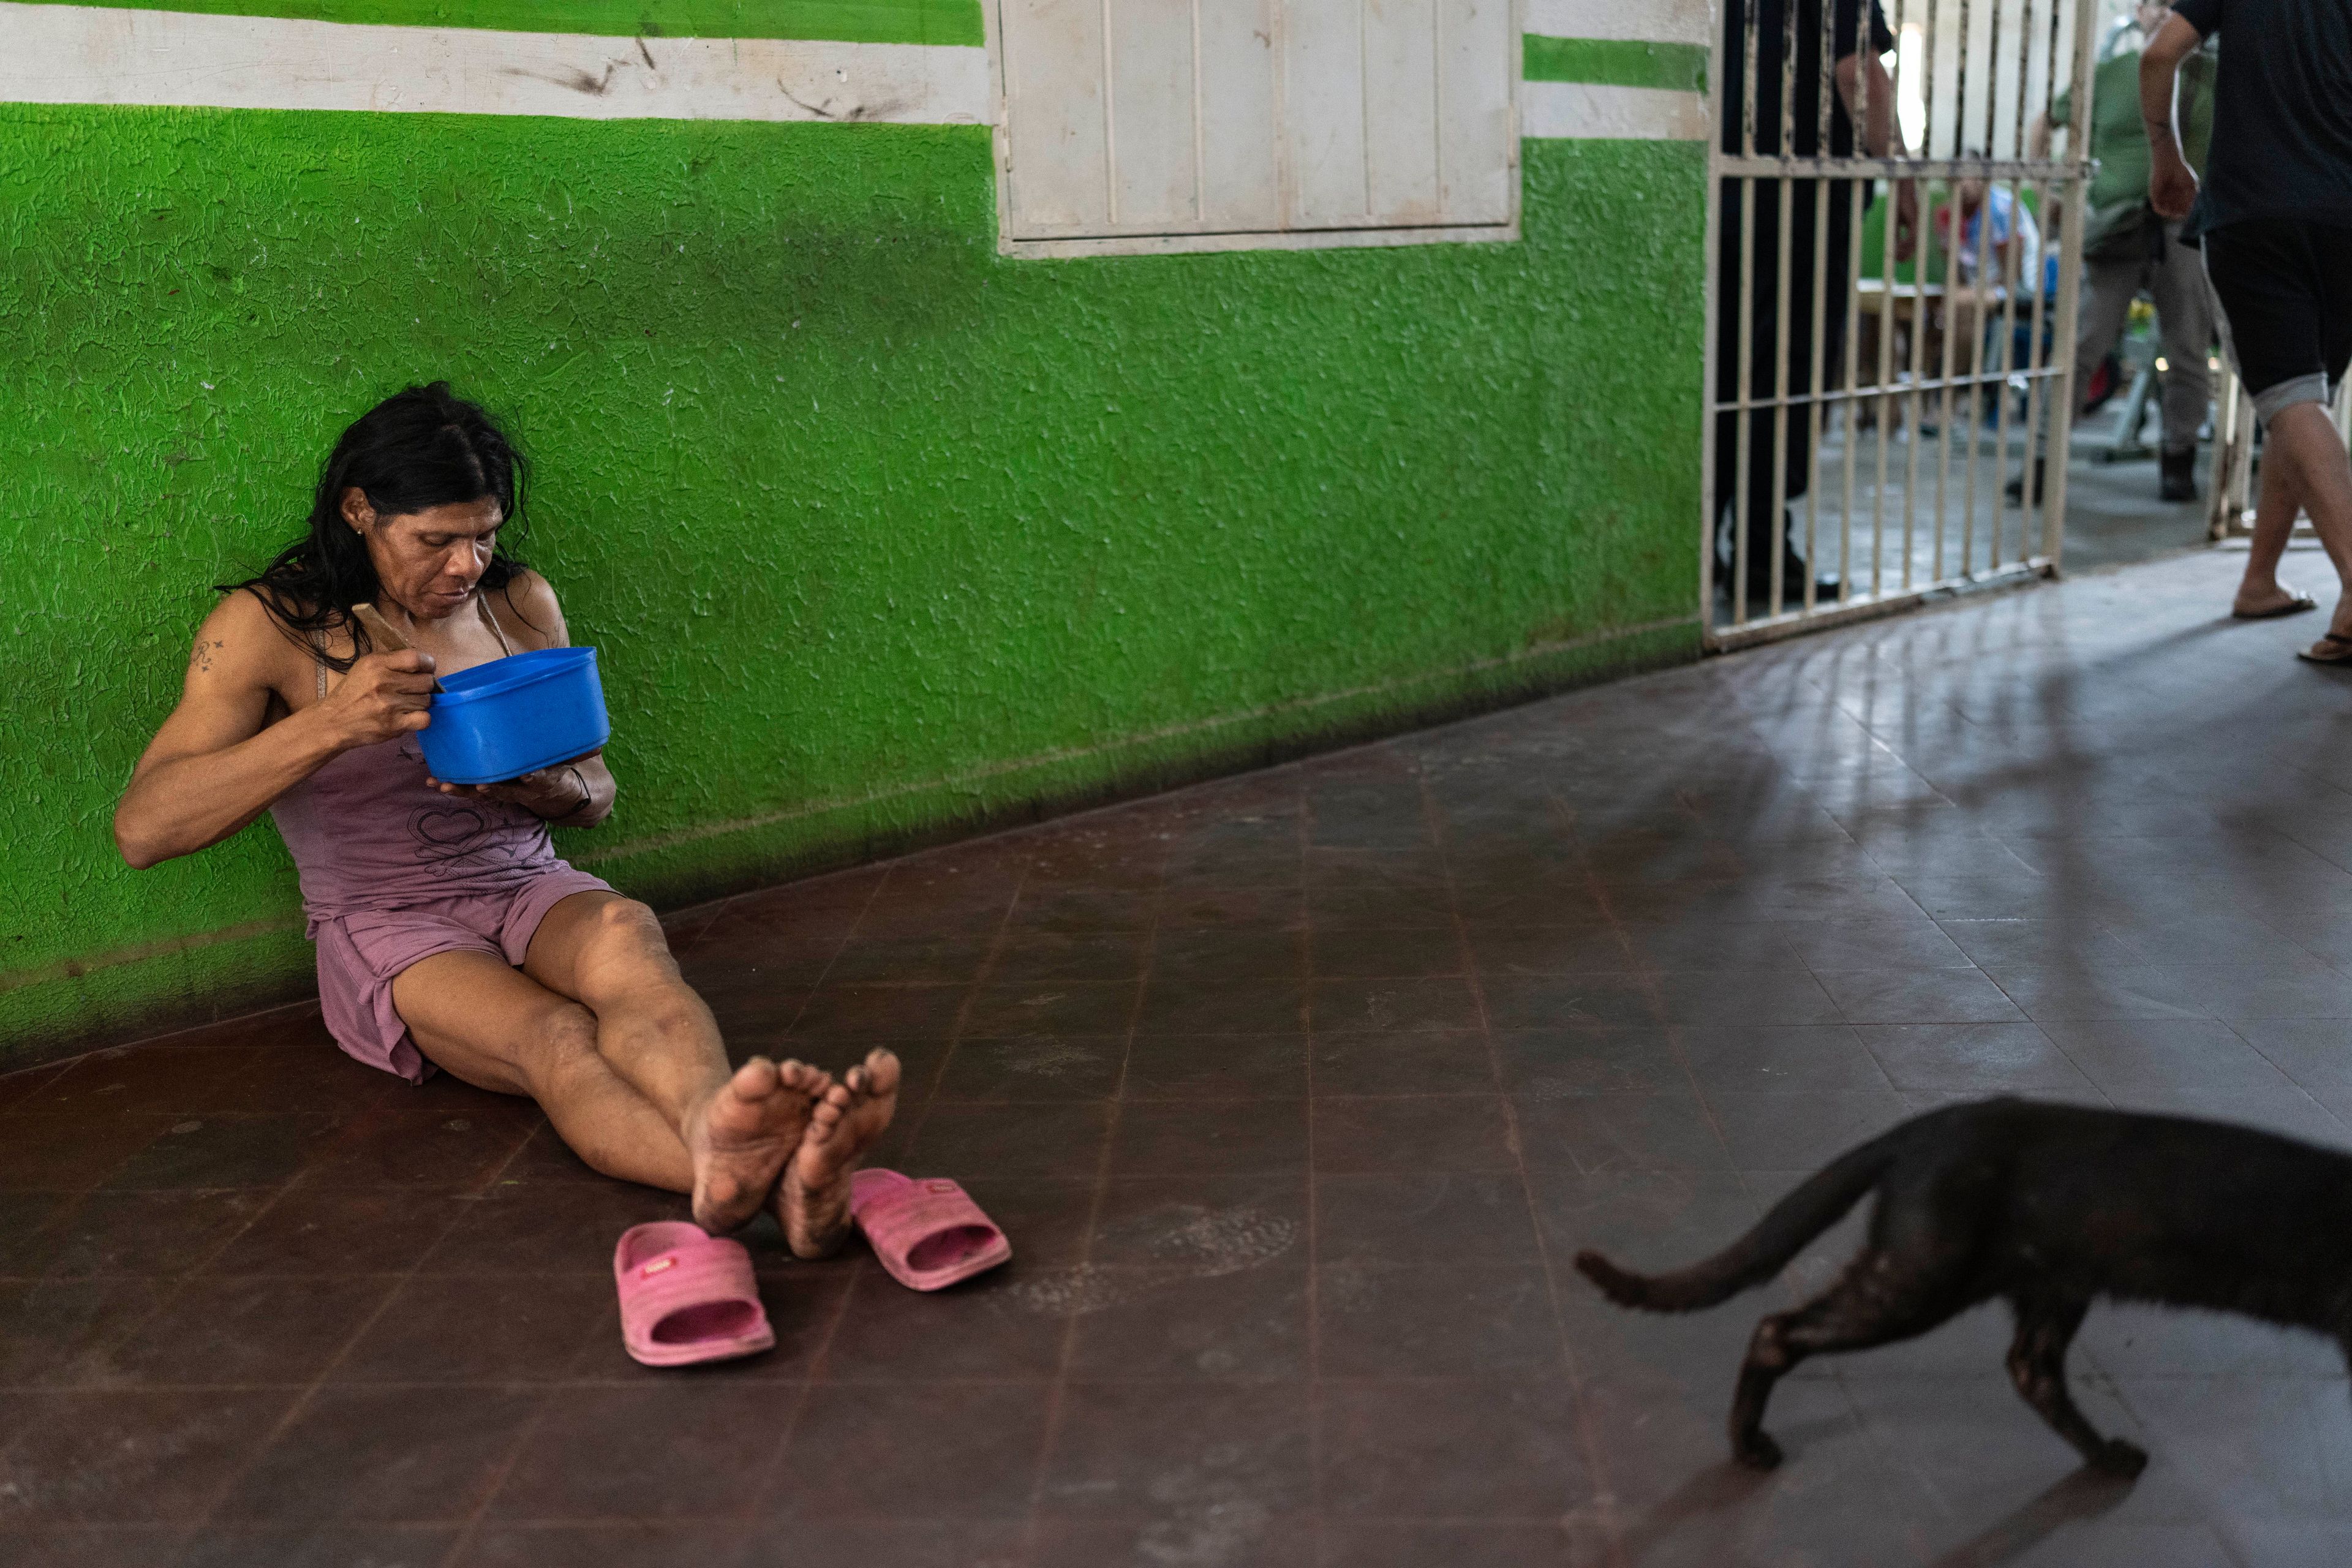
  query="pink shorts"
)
[{"x": 360, "y": 955}]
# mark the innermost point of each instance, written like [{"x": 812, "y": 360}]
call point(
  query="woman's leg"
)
[
  {"x": 599, "y": 981},
  {"x": 497, "y": 1028},
  {"x": 610, "y": 952}
]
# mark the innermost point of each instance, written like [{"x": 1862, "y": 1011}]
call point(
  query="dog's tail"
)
[{"x": 1819, "y": 1202}]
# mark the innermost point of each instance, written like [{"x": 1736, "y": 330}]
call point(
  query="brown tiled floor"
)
[{"x": 1295, "y": 1091}]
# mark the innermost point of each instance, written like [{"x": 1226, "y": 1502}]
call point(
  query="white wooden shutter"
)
[{"x": 1132, "y": 126}]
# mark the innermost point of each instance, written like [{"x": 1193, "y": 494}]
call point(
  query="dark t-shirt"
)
[
  {"x": 2281, "y": 112},
  {"x": 1772, "y": 17}
]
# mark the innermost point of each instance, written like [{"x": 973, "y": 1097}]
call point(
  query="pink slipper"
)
[
  {"x": 686, "y": 1296},
  {"x": 927, "y": 1234}
]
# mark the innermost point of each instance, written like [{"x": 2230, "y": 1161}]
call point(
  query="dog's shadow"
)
[{"x": 2081, "y": 1495}]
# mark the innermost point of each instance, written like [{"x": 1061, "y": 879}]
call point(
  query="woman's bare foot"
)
[
  {"x": 740, "y": 1138},
  {"x": 813, "y": 1201}
]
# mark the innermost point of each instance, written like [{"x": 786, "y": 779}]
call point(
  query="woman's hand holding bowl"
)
[{"x": 555, "y": 793}]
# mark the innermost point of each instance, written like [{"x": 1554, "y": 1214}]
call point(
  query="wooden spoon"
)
[{"x": 379, "y": 632}]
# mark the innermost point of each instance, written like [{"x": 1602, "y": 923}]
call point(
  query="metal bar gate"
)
[{"x": 1885, "y": 463}]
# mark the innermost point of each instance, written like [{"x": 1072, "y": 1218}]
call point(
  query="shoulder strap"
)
[{"x": 484, "y": 601}]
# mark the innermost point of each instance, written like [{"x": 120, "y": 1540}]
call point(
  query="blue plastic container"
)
[{"x": 516, "y": 715}]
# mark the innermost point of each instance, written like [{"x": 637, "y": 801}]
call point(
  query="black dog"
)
[{"x": 2049, "y": 1206}]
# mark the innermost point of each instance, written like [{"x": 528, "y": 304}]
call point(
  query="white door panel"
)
[
  {"x": 1153, "y": 185},
  {"x": 1241, "y": 175},
  {"x": 1477, "y": 140},
  {"x": 1060, "y": 178},
  {"x": 1400, "y": 124},
  {"x": 1323, "y": 100}
]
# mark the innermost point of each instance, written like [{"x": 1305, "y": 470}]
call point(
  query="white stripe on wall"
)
[
  {"x": 87, "y": 54},
  {"x": 1575, "y": 109},
  {"x": 1647, "y": 21}
]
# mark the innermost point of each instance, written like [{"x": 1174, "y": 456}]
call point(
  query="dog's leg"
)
[
  {"x": 1873, "y": 1302},
  {"x": 2037, "y": 1364}
]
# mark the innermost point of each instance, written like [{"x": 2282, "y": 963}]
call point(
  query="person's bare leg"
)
[
  {"x": 2303, "y": 441},
  {"x": 496, "y": 1028},
  {"x": 2275, "y": 506},
  {"x": 813, "y": 1203},
  {"x": 739, "y": 1128}
]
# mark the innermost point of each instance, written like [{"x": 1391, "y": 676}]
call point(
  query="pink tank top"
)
[{"x": 368, "y": 834}]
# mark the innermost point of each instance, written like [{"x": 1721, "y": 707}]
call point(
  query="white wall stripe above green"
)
[
  {"x": 1645, "y": 21},
  {"x": 112, "y": 55},
  {"x": 1591, "y": 111},
  {"x": 84, "y": 54}
]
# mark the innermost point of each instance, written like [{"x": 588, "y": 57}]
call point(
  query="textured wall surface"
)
[{"x": 876, "y": 530}]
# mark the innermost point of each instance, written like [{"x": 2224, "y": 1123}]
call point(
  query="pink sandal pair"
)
[{"x": 687, "y": 1297}]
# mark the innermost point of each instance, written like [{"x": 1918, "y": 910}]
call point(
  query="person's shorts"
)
[
  {"x": 360, "y": 955},
  {"x": 2285, "y": 288}
]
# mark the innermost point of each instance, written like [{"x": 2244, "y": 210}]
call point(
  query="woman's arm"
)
[
  {"x": 214, "y": 767},
  {"x": 577, "y": 793}
]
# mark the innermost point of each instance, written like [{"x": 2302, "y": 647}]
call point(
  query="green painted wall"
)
[{"x": 878, "y": 531}]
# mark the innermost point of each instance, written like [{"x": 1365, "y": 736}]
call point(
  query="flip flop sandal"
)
[
  {"x": 686, "y": 1296},
  {"x": 2340, "y": 650},
  {"x": 2293, "y": 606},
  {"x": 927, "y": 1234}
]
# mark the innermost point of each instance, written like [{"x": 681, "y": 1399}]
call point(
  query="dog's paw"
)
[
  {"x": 2119, "y": 1458},
  {"x": 1757, "y": 1451}
]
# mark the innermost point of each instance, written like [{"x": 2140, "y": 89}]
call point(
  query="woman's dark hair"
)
[{"x": 421, "y": 447}]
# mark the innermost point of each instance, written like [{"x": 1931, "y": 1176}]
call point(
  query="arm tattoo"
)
[{"x": 202, "y": 658}]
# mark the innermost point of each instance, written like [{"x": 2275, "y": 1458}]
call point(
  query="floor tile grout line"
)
[
  {"x": 828, "y": 1380},
  {"x": 463, "y": 1539},
  {"x": 181, "y": 1281},
  {"x": 1318, "y": 1498},
  {"x": 1651, "y": 985},
  {"x": 309, "y": 1392},
  {"x": 771, "y": 1476},
  {"x": 1057, "y": 1388},
  {"x": 530, "y": 1427},
  {"x": 1603, "y": 1500},
  {"x": 2299, "y": 1085},
  {"x": 979, "y": 981},
  {"x": 195, "y": 1271},
  {"x": 623, "y": 1383},
  {"x": 549, "y": 1524},
  {"x": 848, "y": 935}
]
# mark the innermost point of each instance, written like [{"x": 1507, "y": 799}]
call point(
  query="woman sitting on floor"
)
[{"x": 449, "y": 932}]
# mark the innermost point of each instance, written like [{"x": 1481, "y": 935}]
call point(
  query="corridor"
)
[{"x": 1295, "y": 1091}]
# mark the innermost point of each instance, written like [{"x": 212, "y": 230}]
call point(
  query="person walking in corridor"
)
[
  {"x": 2127, "y": 246},
  {"x": 2274, "y": 217}
]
